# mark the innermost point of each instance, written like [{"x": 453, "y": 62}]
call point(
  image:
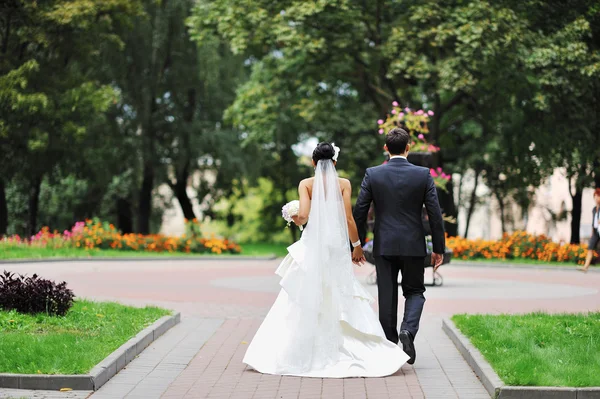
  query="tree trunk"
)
[
  {"x": 34, "y": 203},
  {"x": 596, "y": 172},
  {"x": 446, "y": 198},
  {"x": 3, "y": 210},
  {"x": 449, "y": 208},
  {"x": 230, "y": 215},
  {"x": 502, "y": 206},
  {"x": 145, "y": 199},
  {"x": 293, "y": 228},
  {"x": 576, "y": 215},
  {"x": 472, "y": 203},
  {"x": 124, "y": 215},
  {"x": 180, "y": 190}
]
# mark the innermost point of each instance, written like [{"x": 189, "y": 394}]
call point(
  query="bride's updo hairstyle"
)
[{"x": 323, "y": 151}]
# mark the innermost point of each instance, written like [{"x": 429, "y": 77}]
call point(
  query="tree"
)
[
  {"x": 174, "y": 93},
  {"x": 203, "y": 82},
  {"x": 264, "y": 109},
  {"x": 565, "y": 60},
  {"x": 47, "y": 87},
  {"x": 433, "y": 54}
]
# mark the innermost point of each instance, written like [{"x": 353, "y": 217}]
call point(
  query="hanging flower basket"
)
[{"x": 415, "y": 123}]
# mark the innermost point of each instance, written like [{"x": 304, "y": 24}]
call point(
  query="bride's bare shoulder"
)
[
  {"x": 308, "y": 182},
  {"x": 344, "y": 183}
]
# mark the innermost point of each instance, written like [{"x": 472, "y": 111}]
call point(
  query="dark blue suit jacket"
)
[{"x": 399, "y": 190}]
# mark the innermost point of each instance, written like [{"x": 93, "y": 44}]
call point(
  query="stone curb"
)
[
  {"x": 457, "y": 262},
  {"x": 494, "y": 385},
  {"x": 480, "y": 366},
  {"x": 150, "y": 258},
  {"x": 102, "y": 372}
]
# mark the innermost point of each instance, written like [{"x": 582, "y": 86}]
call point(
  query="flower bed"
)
[
  {"x": 93, "y": 234},
  {"x": 518, "y": 245}
]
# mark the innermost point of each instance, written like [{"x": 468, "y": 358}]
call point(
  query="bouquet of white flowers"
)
[{"x": 289, "y": 210}]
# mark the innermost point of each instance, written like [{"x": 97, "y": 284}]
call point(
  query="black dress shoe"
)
[{"x": 408, "y": 346}]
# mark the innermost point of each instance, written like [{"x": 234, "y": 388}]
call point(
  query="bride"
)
[{"x": 322, "y": 323}]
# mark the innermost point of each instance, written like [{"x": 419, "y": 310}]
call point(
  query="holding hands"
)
[{"x": 358, "y": 256}]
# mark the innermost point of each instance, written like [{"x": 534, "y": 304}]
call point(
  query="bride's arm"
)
[
  {"x": 302, "y": 217},
  {"x": 358, "y": 256},
  {"x": 347, "y": 196}
]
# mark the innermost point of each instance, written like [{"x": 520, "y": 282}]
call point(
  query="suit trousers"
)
[{"x": 413, "y": 288}]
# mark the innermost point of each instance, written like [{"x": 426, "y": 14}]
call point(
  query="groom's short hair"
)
[{"x": 396, "y": 141}]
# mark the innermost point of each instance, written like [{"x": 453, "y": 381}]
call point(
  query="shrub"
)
[{"x": 34, "y": 295}]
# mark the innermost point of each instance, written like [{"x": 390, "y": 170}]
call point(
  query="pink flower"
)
[
  {"x": 395, "y": 103},
  {"x": 419, "y": 112},
  {"x": 430, "y": 113},
  {"x": 439, "y": 170},
  {"x": 433, "y": 173},
  {"x": 401, "y": 115},
  {"x": 394, "y": 111},
  {"x": 380, "y": 122},
  {"x": 380, "y": 131},
  {"x": 407, "y": 110},
  {"x": 421, "y": 136}
]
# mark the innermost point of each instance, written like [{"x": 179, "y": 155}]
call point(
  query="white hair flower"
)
[{"x": 336, "y": 150}]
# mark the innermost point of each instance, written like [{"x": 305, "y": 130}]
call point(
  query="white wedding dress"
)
[{"x": 322, "y": 323}]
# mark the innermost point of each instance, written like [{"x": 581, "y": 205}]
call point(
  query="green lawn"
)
[
  {"x": 280, "y": 250},
  {"x": 29, "y": 252},
  {"x": 538, "y": 349},
  {"x": 72, "y": 344}
]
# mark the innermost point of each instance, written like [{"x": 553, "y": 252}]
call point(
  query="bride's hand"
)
[
  {"x": 296, "y": 220},
  {"x": 358, "y": 256}
]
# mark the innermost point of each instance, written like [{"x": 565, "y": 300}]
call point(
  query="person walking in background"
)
[{"x": 595, "y": 232}]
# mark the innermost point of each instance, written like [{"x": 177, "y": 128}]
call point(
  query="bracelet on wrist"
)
[{"x": 356, "y": 244}]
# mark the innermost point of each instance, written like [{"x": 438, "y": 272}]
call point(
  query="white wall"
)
[
  {"x": 173, "y": 219},
  {"x": 550, "y": 198}
]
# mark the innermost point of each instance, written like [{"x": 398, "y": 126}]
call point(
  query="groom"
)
[{"x": 399, "y": 190}]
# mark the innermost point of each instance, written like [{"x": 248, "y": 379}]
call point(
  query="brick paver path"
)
[
  {"x": 151, "y": 373},
  {"x": 223, "y": 302},
  {"x": 217, "y": 372}
]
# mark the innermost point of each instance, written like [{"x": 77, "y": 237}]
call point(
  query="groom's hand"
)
[{"x": 437, "y": 260}]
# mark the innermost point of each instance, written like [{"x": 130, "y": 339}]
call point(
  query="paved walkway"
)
[{"x": 222, "y": 303}]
